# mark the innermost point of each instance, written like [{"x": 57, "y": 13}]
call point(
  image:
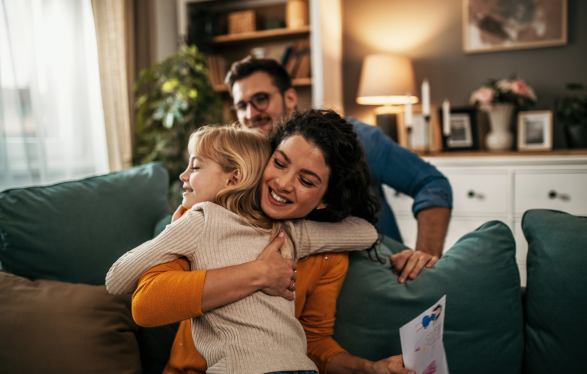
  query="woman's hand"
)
[
  {"x": 345, "y": 363},
  {"x": 279, "y": 273},
  {"x": 178, "y": 213},
  {"x": 410, "y": 263},
  {"x": 391, "y": 365}
]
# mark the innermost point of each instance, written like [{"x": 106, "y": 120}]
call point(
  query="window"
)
[{"x": 51, "y": 118}]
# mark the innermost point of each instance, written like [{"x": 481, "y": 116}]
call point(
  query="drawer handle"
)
[
  {"x": 553, "y": 195},
  {"x": 472, "y": 194}
]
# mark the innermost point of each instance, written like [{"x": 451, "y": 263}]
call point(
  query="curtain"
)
[
  {"x": 110, "y": 17},
  {"x": 51, "y": 118}
]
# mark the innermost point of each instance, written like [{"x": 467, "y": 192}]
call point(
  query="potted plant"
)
[
  {"x": 571, "y": 112},
  {"x": 499, "y": 98},
  {"x": 177, "y": 98}
]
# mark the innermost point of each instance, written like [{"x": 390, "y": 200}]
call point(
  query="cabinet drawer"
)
[
  {"x": 408, "y": 227},
  {"x": 399, "y": 202},
  {"x": 480, "y": 193},
  {"x": 566, "y": 192}
]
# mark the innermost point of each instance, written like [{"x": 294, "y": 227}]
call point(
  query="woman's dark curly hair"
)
[{"x": 348, "y": 191}]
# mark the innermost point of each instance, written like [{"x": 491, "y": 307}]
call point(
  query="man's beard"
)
[{"x": 259, "y": 120}]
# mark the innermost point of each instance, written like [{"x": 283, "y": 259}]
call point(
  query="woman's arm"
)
[
  {"x": 318, "y": 318},
  {"x": 170, "y": 293},
  {"x": 351, "y": 234}
]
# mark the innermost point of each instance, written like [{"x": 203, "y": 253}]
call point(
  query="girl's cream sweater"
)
[{"x": 258, "y": 334}]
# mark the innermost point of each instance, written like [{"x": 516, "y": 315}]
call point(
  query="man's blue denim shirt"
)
[{"x": 403, "y": 171}]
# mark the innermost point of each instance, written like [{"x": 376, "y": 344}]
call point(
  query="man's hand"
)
[
  {"x": 178, "y": 213},
  {"x": 408, "y": 263},
  {"x": 391, "y": 365},
  {"x": 279, "y": 272}
]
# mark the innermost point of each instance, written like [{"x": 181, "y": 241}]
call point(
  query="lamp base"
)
[{"x": 387, "y": 122}]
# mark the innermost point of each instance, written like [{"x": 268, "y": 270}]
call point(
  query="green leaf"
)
[{"x": 169, "y": 120}]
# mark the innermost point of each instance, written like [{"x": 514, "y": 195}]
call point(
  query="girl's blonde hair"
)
[{"x": 247, "y": 151}]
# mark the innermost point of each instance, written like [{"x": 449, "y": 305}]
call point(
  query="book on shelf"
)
[
  {"x": 217, "y": 68},
  {"x": 304, "y": 67},
  {"x": 296, "y": 59}
]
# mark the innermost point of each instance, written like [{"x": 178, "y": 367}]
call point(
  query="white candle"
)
[
  {"x": 446, "y": 117},
  {"x": 425, "y": 98},
  {"x": 408, "y": 111}
]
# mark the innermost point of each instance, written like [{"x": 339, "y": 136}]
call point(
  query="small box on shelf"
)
[{"x": 240, "y": 22}]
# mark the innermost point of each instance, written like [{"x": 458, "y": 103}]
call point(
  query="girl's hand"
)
[
  {"x": 178, "y": 213},
  {"x": 278, "y": 272}
]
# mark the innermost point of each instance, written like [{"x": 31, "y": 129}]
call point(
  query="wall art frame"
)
[{"x": 500, "y": 25}]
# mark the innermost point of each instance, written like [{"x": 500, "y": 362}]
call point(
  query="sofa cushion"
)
[
  {"x": 74, "y": 231},
  {"x": 162, "y": 224},
  {"x": 54, "y": 327},
  {"x": 556, "y": 291},
  {"x": 483, "y": 330}
]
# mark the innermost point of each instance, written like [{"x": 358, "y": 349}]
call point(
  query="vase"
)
[
  {"x": 500, "y": 137},
  {"x": 296, "y": 13}
]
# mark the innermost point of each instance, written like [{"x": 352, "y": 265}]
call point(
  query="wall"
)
[{"x": 430, "y": 32}]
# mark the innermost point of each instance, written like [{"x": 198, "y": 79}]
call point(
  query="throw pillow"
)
[
  {"x": 483, "y": 331},
  {"x": 556, "y": 291},
  {"x": 74, "y": 231},
  {"x": 54, "y": 327}
]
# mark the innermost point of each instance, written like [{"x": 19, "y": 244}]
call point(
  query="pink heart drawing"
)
[{"x": 431, "y": 369}]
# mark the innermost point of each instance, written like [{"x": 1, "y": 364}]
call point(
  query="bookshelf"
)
[{"x": 322, "y": 85}]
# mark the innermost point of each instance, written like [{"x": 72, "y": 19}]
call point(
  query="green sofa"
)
[{"x": 57, "y": 243}]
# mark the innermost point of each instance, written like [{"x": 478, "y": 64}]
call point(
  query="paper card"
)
[{"x": 421, "y": 339}]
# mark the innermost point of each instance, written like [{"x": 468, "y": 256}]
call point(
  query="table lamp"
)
[{"x": 388, "y": 80}]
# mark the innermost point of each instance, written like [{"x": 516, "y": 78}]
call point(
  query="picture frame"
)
[
  {"x": 490, "y": 26},
  {"x": 419, "y": 135},
  {"x": 464, "y": 132},
  {"x": 535, "y": 130}
]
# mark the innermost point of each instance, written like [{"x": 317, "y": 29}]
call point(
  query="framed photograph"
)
[
  {"x": 463, "y": 130},
  {"x": 535, "y": 131},
  {"x": 500, "y": 25}
]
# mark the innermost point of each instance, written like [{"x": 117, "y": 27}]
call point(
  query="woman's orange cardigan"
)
[{"x": 170, "y": 293}]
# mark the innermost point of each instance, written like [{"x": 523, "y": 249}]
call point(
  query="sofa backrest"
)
[
  {"x": 556, "y": 292},
  {"x": 74, "y": 231}
]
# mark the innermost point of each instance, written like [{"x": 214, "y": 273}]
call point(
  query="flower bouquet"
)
[
  {"x": 513, "y": 91},
  {"x": 499, "y": 98}
]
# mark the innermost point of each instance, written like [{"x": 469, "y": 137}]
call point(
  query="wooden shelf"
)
[
  {"x": 299, "y": 82},
  {"x": 556, "y": 152},
  {"x": 262, "y": 34}
]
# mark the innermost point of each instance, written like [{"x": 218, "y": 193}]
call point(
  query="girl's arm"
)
[
  {"x": 179, "y": 239},
  {"x": 170, "y": 293},
  {"x": 351, "y": 234}
]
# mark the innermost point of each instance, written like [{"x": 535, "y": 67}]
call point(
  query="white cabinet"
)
[{"x": 501, "y": 188}]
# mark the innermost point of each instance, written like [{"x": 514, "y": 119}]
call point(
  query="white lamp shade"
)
[{"x": 386, "y": 79}]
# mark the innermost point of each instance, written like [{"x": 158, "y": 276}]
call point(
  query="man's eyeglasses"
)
[{"x": 259, "y": 101}]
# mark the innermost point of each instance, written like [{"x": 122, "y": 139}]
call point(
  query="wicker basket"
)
[{"x": 243, "y": 21}]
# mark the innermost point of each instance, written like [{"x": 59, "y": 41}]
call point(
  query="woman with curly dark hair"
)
[
  {"x": 348, "y": 190},
  {"x": 314, "y": 153}
]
